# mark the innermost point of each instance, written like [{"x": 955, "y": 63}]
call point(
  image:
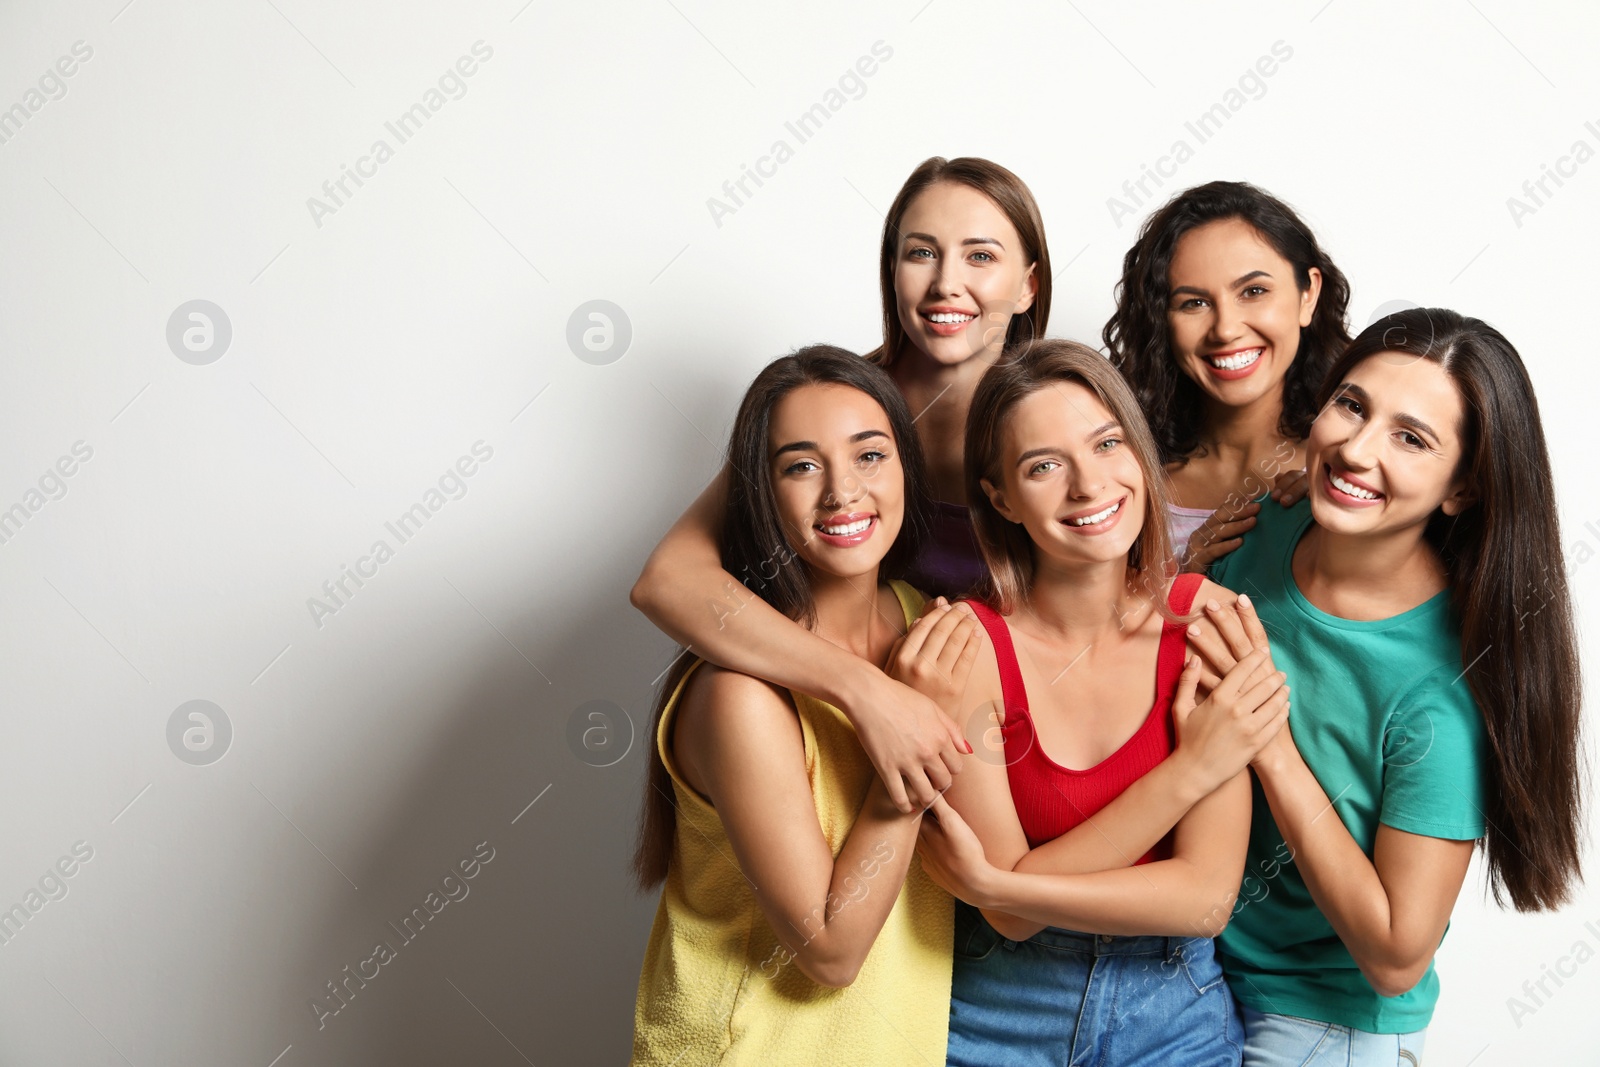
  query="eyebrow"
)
[
  {"x": 1236, "y": 283},
  {"x": 1034, "y": 453},
  {"x": 1403, "y": 419},
  {"x": 931, "y": 239},
  {"x": 811, "y": 446}
]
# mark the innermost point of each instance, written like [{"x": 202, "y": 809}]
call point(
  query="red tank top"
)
[{"x": 1052, "y": 799}]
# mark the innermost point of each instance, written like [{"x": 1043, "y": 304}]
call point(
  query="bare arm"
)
[
  {"x": 1391, "y": 910},
  {"x": 1216, "y": 740},
  {"x": 686, "y": 593},
  {"x": 1190, "y": 894},
  {"x": 738, "y": 742}
]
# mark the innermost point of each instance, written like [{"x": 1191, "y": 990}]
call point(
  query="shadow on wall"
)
[{"x": 535, "y": 957}]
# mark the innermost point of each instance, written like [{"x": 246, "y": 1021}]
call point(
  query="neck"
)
[
  {"x": 1242, "y": 436},
  {"x": 939, "y": 396},
  {"x": 847, "y": 612},
  {"x": 1377, "y": 569},
  {"x": 1079, "y": 603}
]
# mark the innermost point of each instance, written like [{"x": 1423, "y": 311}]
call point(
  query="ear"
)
[
  {"x": 998, "y": 499},
  {"x": 1459, "y": 501},
  {"x": 1308, "y": 299},
  {"x": 1030, "y": 289}
]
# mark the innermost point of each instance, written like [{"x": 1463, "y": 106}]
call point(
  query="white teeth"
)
[
  {"x": 847, "y": 529},
  {"x": 950, "y": 316},
  {"x": 1099, "y": 516},
  {"x": 1236, "y": 361},
  {"x": 1355, "y": 491}
]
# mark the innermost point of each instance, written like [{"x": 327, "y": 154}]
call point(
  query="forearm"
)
[
  {"x": 1339, "y": 875},
  {"x": 684, "y": 590},
  {"x": 1125, "y": 829},
  {"x": 1174, "y": 897},
  {"x": 832, "y": 941}
]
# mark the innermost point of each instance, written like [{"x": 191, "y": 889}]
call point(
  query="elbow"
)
[
  {"x": 1393, "y": 979},
  {"x": 642, "y": 595},
  {"x": 1010, "y": 927},
  {"x": 833, "y": 973}
]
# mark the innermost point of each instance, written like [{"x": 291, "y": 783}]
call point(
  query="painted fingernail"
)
[
  {"x": 1244, "y": 599},
  {"x": 1212, "y": 605},
  {"x": 1194, "y": 629},
  {"x": 970, "y": 749}
]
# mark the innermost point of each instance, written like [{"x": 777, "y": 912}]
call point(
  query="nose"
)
[
  {"x": 947, "y": 280},
  {"x": 1086, "y": 482},
  {"x": 1357, "y": 452},
  {"x": 841, "y": 490},
  {"x": 1227, "y": 323}
]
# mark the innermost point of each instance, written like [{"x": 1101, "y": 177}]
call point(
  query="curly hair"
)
[{"x": 1137, "y": 334}]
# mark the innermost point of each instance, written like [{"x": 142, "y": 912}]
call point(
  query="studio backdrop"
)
[{"x": 354, "y": 356}]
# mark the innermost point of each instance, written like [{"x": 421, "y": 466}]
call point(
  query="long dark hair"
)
[
  {"x": 1138, "y": 337},
  {"x": 1007, "y": 548},
  {"x": 1012, "y": 197},
  {"x": 1508, "y": 592},
  {"x": 758, "y": 550}
]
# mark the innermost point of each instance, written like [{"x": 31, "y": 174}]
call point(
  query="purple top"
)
[{"x": 950, "y": 564}]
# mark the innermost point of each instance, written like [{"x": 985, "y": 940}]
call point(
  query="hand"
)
[
  {"x": 1225, "y": 634},
  {"x": 1289, "y": 487},
  {"x": 952, "y": 854},
  {"x": 1225, "y": 732},
  {"x": 936, "y": 655},
  {"x": 1220, "y": 534},
  {"x": 913, "y": 744}
]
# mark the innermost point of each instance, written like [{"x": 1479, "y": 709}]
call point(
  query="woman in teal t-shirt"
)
[{"x": 1417, "y": 602}]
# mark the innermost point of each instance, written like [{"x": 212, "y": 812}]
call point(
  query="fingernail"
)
[
  {"x": 970, "y": 749},
  {"x": 1194, "y": 629},
  {"x": 1244, "y": 599},
  {"x": 1212, "y": 605}
]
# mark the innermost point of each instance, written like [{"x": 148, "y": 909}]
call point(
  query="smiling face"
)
[
  {"x": 1069, "y": 477},
  {"x": 1387, "y": 452},
  {"x": 960, "y": 274},
  {"x": 836, "y": 477},
  {"x": 1234, "y": 312}
]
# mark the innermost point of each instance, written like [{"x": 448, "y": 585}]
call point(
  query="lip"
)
[
  {"x": 1100, "y": 527},
  {"x": 947, "y": 329},
  {"x": 1342, "y": 498},
  {"x": 846, "y": 540},
  {"x": 1241, "y": 372}
]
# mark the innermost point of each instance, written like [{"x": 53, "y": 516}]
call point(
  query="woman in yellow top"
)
[{"x": 793, "y": 925}]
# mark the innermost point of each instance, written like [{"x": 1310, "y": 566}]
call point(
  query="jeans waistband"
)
[{"x": 1114, "y": 945}]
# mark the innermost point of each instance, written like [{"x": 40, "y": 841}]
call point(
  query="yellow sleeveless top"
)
[{"x": 719, "y": 988}]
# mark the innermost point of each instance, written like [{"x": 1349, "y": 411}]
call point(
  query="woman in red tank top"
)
[{"x": 1098, "y": 840}]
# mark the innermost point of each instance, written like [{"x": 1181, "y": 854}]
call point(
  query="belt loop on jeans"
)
[{"x": 1174, "y": 948}]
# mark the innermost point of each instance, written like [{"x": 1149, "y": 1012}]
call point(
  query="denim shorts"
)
[
  {"x": 1288, "y": 1041},
  {"x": 1066, "y": 998}
]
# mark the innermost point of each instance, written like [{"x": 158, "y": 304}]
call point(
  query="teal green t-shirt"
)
[{"x": 1389, "y": 727}]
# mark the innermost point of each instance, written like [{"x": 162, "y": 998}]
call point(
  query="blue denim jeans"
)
[
  {"x": 1288, "y": 1041},
  {"x": 1065, "y": 998}
]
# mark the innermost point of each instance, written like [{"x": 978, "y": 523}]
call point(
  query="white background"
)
[{"x": 372, "y": 350}]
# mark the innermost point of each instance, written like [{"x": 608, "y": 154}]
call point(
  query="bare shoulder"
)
[
  {"x": 717, "y": 698},
  {"x": 726, "y": 720},
  {"x": 1210, "y": 590}
]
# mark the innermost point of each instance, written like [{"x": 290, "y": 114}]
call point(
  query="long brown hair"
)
[
  {"x": 1508, "y": 593},
  {"x": 1012, "y": 197},
  {"x": 1007, "y": 548},
  {"x": 1138, "y": 337},
  {"x": 758, "y": 550}
]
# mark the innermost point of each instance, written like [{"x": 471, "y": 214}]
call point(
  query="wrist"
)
[
  {"x": 1192, "y": 780},
  {"x": 1275, "y": 760},
  {"x": 847, "y": 683}
]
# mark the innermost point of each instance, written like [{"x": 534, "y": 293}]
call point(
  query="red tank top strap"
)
[
  {"x": 1005, "y": 654},
  {"x": 1184, "y": 587}
]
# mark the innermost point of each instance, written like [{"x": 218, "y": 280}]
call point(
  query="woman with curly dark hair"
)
[{"x": 1228, "y": 315}]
